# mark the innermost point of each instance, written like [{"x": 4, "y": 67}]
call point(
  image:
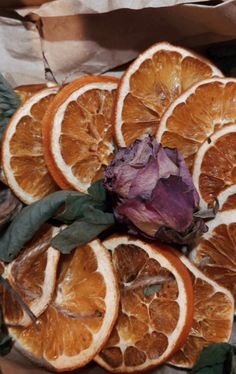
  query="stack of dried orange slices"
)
[{"x": 127, "y": 304}]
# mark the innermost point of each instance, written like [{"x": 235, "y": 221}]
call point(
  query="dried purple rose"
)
[{"x": 154, "y": 192}]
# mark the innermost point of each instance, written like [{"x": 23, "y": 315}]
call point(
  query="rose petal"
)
[
  {"x": 184, "y": 173},
  {"x": 144, "y": 181},
  {"x": 174, "y": 202},
  {"x": 147, "y": 220},
  {"x": 166, "y": 166},
  {"x": 143, "y": 152}
]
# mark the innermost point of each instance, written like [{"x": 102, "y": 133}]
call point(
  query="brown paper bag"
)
[{"x": 93, "y": 43}]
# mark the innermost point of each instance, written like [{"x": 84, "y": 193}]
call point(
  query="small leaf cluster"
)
[
  {"x": 84, "y": 215},
  {"x": 9, "y": 102},
  {"x": 219, "y": 358}
]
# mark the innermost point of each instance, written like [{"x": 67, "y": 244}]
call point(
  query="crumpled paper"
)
[
  {"x": 60, "y": 8},
  {"x": 21, "y": 59},
  {"x": 67, "y": 43}
]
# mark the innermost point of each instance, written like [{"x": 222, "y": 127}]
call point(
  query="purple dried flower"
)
[{"x": 154, "y": 192}]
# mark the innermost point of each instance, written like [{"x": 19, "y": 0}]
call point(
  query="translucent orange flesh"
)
[
  {"x": 27, "y": 276},
  {"x": 212, "y": 323},
  {"x": 216, "y": 256},
  {"x": 86, "y": 134},
  {"x": 144, "y": 321},
  {"x": 210, "y": 107},
  {"x": 26, "y": 148},
  {"x": 154, "y": 86},
  {"x": 77, "y": 311},
  {"x": 218, "y": 168}
]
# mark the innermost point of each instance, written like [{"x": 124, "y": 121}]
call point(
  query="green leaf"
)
[
  {"x": 98, "y": 217},
  {"x": 78, "y": 204},
  {"x": 78, "y": 233},
  {"x": 28, "y": 222},
  {"x": 97, "y": 191},
  {"x": 76, "y": 208},
  {"x": 9, "y": 102},
  {"x": 5, "y": 339},
  {"x": 215, "y": 359}
]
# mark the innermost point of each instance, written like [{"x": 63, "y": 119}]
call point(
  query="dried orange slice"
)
[
  {"x": 212, "y": 319},
  {"x": 33, "y": 276},
  {"x": 215, "y": 255},
  {"x": 22, "y": 150},
  {"x": 196, "y": 114},
  {"x": 80, "y": 318},
  {"x": 28, "y": 90},
  {"x": 151, "y": 83},
  {"x": 214, "y": 168},
  {"x": 77, "y": 132},
  {"x": 156, "y": 306}
]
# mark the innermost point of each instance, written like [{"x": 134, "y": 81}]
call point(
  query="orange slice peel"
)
[
  {"x": 81, "y": 315},
  {"x": 150, "y": 84},
  {"x": 150, "y": 327},
  {"x": 22, "y": 150},
  {"x": 78, "y": 132}
]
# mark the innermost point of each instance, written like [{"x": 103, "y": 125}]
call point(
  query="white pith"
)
[
  {"x": 124, "y": 87},
  {"x": 64, "y": 362},
  {"x": 199, "y": 159},
  {"x": 223, "y": 196},
  {"x": 65, "y": 169},
  {"x": 24, "y": 110},
  {"x": 38, "y": 306},
  {"x": 183, "y": 97},
  {"x": 111, "y": 244}
]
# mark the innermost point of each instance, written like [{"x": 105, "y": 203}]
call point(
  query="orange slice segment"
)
[
  {"x": 196, "y": 114},
  {"x": 28, "y": 90},
  {"x": 156, "y": 306},
  {"x": 81, "y": 316},
  {"x": 214, "y": 169},
  {"x": 212, "y": 319},
  {"x": 33, "y": 276},
  {"x": 77, "y": 131},
  {"x": 215, "y": 255},
  {"x": 22, "y": 150},
  {"x": 151, "y": 83}
]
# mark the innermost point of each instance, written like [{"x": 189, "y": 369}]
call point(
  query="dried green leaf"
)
[
  {"x": 216, "y": 359},
  {"x": 9, "y": 102},
  {"x": 78, "y": 233},
  {"x": 28, "y": 222}
]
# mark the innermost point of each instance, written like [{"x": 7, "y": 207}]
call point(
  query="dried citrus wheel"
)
[
  {"x": 196, "y": 114},
  {"x": 33, "y": 277},
  {"x": 215, "y": 255},
  {"x": 22, "y": 150},
  {"x": 28, "y": 90},
  {"x": 81, "y": 316},
  {"x": 151, "y": 83},
  {"x": 214, "y": 168},
  {"x": 212, "y": 319},
  {"x": 78, "y": 133},
  {"x": 156, "y": 307}
]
